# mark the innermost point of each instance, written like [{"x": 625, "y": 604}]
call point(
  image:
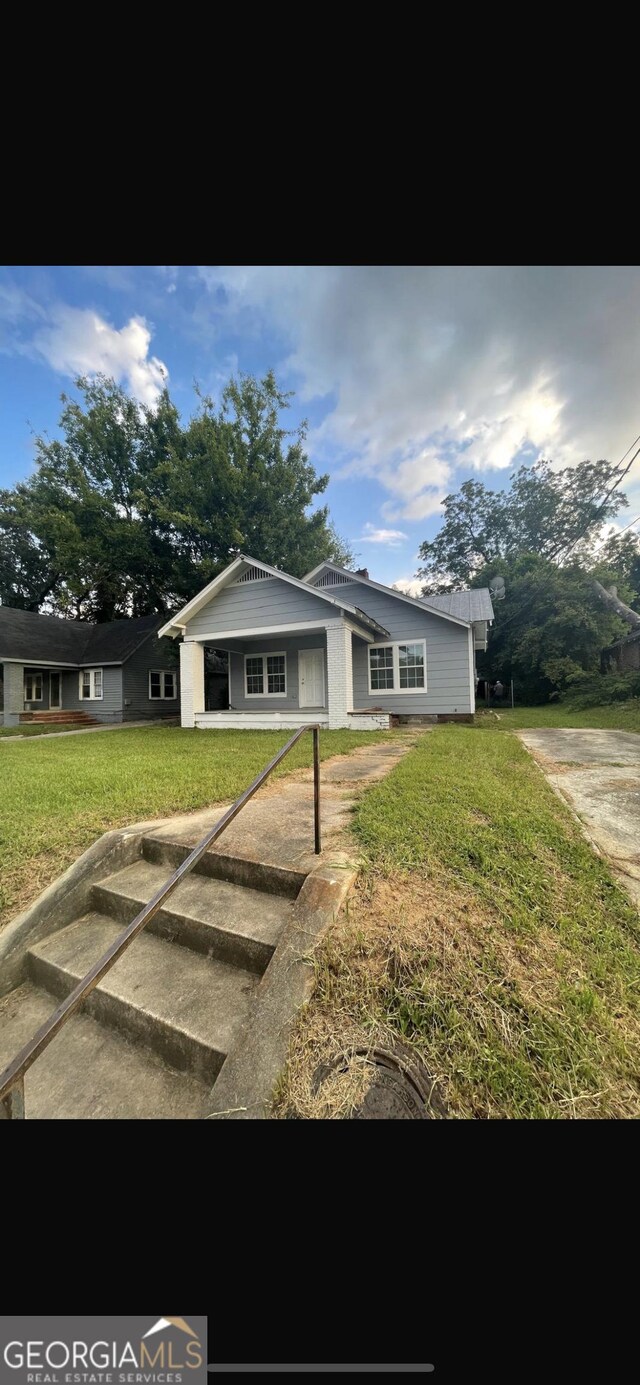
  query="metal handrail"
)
[{"x": 12, "y": 1079}]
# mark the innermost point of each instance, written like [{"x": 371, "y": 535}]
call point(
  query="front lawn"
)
[
  {"x": 58, "y": 797},
  {"x": 615, "y": 716},
  {"x": 486, "y": 933}
]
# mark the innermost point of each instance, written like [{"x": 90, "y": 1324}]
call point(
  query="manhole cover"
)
[{"x": 379, "y": 1084}]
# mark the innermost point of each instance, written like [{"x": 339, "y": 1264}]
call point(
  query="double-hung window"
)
[
  {"x": 162, "y": 685},
  {"x": 265, "y": 675},
  {"x": 33, "y": 687},
  {"x": 91, "y": 684},
  {"x": 398, "y": 667}
]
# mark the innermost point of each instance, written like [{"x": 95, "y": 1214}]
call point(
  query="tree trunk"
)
[{"x": 612, "y": 600}]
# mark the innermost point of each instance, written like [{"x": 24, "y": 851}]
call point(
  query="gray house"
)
[
  {"x": 70, "y": 670},
  {"x": 335, "y": 647}
]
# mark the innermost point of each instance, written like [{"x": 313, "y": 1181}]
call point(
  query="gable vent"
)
[
  {"x": 333, "y": 579},
  {"x": 253, "y": 574}
]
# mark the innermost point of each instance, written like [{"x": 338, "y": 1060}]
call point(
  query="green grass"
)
[
  {"x": 38, "y": 728},
  {"x": 616, "y": 716},
  {"x": 59, "y": 796},
  {"x": 487, "y": 934}
]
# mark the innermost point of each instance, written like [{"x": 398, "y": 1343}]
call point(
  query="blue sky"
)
[{"x": 412, "y": 378}]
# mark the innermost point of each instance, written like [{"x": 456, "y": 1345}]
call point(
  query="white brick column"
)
[
  {"x": 339, "y": 675},
  {"x": 191, "y": 681}
]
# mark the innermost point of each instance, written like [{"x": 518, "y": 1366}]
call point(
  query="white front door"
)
[{"x": 311, "y": 677}]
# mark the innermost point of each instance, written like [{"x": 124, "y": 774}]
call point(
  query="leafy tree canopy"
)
[
  {"x": 543, "y": 511},
  {"x": 132, "y": 512},
  {"x": 543, "y": 535}
]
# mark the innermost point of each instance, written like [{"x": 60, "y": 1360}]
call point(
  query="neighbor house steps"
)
[
  {"x": 53, "y": 718},
  {"x": 151, "y": 1038}
]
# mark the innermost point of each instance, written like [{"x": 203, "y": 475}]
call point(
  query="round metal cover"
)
[{"x": 397, "y": 1085}]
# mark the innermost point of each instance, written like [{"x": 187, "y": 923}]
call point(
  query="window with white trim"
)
[
  {"x": 265, "y": 675},
  {"x": 163, "y": 685},
  {"x": 398, "y": 667},
  {"x": 33, "y": 687},
  {"x": 91, "y": 684}
]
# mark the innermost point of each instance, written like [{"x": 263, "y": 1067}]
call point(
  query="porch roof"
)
[{"x": 177, "y": 625}]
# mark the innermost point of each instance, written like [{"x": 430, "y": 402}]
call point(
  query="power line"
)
[
  {"x": 546, "y": 584},
  {"x": 607, "y": 497},
  {"x": 627, "y": 526}
]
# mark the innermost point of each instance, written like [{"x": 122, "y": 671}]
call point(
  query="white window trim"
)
[
  {"x": 271, "y": 654},
  {"x": 396, "y": 690},
  {"x": 163, "y": 696},
  {"x": 93, "y": 696},
  {"x": 33, "y": 677}
]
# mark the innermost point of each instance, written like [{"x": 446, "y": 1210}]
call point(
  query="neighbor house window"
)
[
  {"x": 265, "y": 675},
  {"x": 33, "y": 687},
  {"x": 398, "y": 667},
  {"x": 91, "y": 684},
  {"x": 162, "y": 685}
]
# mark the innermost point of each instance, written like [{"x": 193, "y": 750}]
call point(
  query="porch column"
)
[
  {"x": 191, "y": 681},
  {"x": 339, "y": 675},
  {"x": 13, "y": 693}
]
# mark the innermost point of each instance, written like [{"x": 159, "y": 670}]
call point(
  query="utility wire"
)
[
  {"x": 620, "y": 477},
  {"x": 614, "y": 487},
  {"x": 627, "y": 526}
]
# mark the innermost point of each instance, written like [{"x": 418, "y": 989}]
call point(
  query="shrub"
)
[{"x": 598, "y": 689}]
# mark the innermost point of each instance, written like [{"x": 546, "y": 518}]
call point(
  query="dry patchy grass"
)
[{"x": 486, "y": 934}]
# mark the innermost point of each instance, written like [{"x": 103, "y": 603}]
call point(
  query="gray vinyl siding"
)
[
  {"x": 290, "y": 646},
  {"x": 256, "y": 604},
  {"x": 107, "y": 708},
  {"x": 152, "y": 654},
  {"x": 447, "y": 647}
]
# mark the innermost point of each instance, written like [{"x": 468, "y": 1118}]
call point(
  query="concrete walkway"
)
[
  {"x": 598, "y": 772},
  {"x": 86, "y": 730},
  {"x": 276, "y": 827}
]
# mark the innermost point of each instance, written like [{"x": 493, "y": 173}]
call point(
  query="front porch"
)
[
  {"x": 259, "y": 721},
  {"x": 284, "y": 677},
  {"x": 28, "y": 690}
]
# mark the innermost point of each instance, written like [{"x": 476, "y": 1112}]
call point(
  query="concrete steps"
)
[
  {"x": 152, "y": 1037},
  {"x": 56, "y": 717},
  {"x": 182, "y": 1005},
  {"x": 90, "y": 1072},
  {"x": 222, "y": 920},
  {"x": 238, "y": 870}
]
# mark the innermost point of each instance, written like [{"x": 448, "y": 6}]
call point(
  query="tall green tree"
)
[
  {"x": 543, "y": 535},
  {"x": 130, "y": 511},
  {"x": 543, "y": 511},
  {"x": 549, "y": 629}
]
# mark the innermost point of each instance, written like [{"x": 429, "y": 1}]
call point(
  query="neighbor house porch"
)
[{"x": 281, "y": 677}]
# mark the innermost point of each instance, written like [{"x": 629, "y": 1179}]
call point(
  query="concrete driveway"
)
[{"x": 598, "y": 772}]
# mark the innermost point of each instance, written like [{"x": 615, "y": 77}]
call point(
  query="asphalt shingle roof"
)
[
  {"x": 33, "y": 637},
  {"x": 470, "y": 605}
]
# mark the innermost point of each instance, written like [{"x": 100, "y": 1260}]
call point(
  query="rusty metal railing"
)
[{"x": 12, "y": 1105}]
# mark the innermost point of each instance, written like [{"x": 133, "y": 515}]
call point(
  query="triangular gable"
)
[
  {"x": 422, "y": 604},
  {"x": 245, "y": 567}
]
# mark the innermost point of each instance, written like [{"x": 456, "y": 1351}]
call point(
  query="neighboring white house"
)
[{"x": 334, "y": 648}]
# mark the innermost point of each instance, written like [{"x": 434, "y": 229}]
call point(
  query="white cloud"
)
[
  {"x": 434, "y": 372},
  {"x": 409, "y": 585},
  {"x": 391, "y": 538},
  {"x": 79, "y": 341}
]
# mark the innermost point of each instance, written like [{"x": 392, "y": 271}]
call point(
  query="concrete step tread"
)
[
  {"x": 169, "y": 986},
  {"x": 235, "y": 908},
  {"x": 222, "y": 862},
  {"x": 89, "y": 1072}
]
